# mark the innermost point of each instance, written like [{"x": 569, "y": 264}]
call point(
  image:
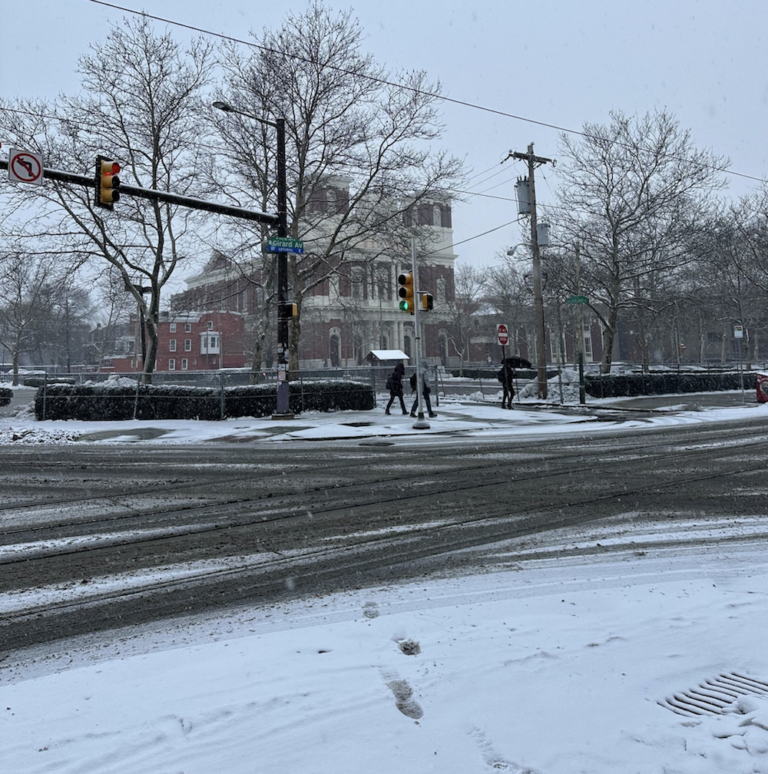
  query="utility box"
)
[
  {"x": 542, "y": 233},
  {"x": 762, "y": 387},
  {"x": 523, "y": 193}
]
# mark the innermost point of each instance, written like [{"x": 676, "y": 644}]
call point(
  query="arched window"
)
[
  {"x": 334, "y": 348},
  {"x": 437, "y": 216},
  {"x": 441, "y": 290},
  {"x": 332, "y": 199}
]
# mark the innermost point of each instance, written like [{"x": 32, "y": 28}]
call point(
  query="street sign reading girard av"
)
[{"x": 283, "y": 245}]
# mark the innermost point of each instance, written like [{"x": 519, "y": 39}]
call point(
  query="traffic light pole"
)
[
  {"x": 283, "y": 315},
  {"x": 283, "y": 390},
  {"x": 420, "y": 423}
]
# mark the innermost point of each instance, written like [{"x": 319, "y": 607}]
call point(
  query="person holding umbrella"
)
[{"x": 506, "y": 376}]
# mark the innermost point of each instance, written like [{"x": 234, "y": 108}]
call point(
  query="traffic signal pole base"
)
[
  {"x": 421, "y": 423},
  {"x": 283, "y": 410}
]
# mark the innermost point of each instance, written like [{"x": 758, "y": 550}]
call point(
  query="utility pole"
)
[
  {"x": 538, "y": 301},
  {"x": 580, "y": 339}
]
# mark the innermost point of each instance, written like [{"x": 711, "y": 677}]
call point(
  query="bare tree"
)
[
  {"x": 28, "y": 283},
  {"x": 112, "y": 308},
  {"x": 468, "y": 301},
  {"x": 629, "y": 193},
  {"x": 359, "y": 157},
  {"x": 140, "y": 104}
]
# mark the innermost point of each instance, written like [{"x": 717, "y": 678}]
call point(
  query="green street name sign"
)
[
  {"x": 283, "y": 245},
  {"x": 578, "y": 300}
]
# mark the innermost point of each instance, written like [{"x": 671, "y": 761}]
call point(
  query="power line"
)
[{"x": 385, "y": 82}]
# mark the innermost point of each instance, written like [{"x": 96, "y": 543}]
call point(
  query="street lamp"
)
[{"x": 283, "y": 393}]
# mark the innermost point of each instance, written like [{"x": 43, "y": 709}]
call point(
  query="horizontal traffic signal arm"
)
[{"x": 162, "y": 196}]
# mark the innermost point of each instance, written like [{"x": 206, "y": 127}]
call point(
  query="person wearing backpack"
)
[
  {"x": 395, "y": 387},
  {"x": 426, "y": 388}
]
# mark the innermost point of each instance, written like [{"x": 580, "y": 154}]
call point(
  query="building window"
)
[
  {"x": 172, "y": 364},
  {"x": 437, "y": 216},
  {"x": 209, "y": 344},
  {"x": 172, "y": 345},
  {"x": 187, "y": 327},
  {"x": 357, "y": 282},
  {"x": 440, "y": 290},
  {"x": 209, "y": 325},
  {"x": 187, "y": 345},
  {"x": 173, "y": 327},
  {"x": 184, "y": 364}
]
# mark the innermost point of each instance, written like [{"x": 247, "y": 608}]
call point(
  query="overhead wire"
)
[{"x": 386, "y": 82}]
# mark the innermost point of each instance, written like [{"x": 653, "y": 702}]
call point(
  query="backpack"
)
[{"x": 390, "y": 383}]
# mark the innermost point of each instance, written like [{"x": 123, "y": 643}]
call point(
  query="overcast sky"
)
[{"x": 558, "y": 62}]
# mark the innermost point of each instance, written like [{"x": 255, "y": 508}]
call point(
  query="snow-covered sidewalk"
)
[
  {"x": 553, "y": 667},
  {"x": 456, "y": 417}
]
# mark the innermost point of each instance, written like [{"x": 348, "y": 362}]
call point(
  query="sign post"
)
[
  {"x": 738, "y": 334},
  {"x": 502, "y": 336}
]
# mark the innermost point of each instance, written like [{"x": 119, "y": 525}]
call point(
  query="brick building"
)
[
  {"x": 354, "y": 309},
  {"x": 191, "y": 341}
]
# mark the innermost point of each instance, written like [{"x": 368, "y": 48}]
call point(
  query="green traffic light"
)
[{"x": 403, "y": 306}]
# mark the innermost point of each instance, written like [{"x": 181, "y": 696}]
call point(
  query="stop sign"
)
[{"x": 502, "y": 334}]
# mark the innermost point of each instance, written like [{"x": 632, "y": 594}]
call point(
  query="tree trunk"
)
[
  {"x": 609, "y": 335},
  {"x": 15, "y": 362}
]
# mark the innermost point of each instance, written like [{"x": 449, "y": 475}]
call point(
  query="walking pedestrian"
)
[
  {"x": 426, "y": 388},
  {"x": 395, "y": 386},
  {"x": 506, "y": 376}
]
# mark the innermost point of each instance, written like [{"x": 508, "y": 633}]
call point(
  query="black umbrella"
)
[{"x": 517, "y": 362}]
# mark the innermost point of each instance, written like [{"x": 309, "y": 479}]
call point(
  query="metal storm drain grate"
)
[{"x": 712, "y": 696}]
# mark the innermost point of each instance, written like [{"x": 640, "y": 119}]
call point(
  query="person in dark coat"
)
[
  {"x": 506, "y": 376},
  {"x": 396, "y": 390}
]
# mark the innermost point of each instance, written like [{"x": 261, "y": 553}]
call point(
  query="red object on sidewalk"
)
[{"x": 762, "y": 388}]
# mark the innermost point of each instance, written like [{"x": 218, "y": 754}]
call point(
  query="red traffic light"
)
[{"x": 107, "y": 182}]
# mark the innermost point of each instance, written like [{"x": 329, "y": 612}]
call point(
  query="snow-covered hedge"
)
[
  {"x": 122, "y": 399},
  {"x": 5, "y": 396},
  {"x": 669, "y": 383},
  {"x": 39, "y": 381}
]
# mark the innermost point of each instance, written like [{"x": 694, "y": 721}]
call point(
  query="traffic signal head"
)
[
  {"x": 107, "y": 182},
  {"x": 289, "y": 309},
  {"x": 426, "y": 302},
  {"x": 406, "y": 292}
]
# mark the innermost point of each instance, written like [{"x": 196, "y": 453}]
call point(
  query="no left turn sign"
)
[{"x": 25, "y": 167}]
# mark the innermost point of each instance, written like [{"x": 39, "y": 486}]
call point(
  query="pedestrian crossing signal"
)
[{"x": 426, "y": 302}]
